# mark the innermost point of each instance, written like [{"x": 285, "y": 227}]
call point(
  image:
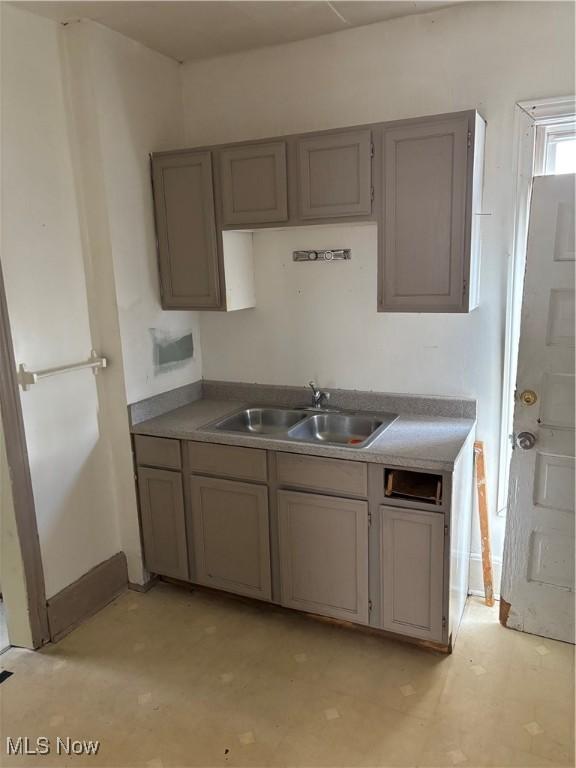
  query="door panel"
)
[
  {"x": 423, "y": 225},
  {"x": 324, "y": 555},
  {"x": 335, "y": 175},
  {"x": 163, "y": 522},
  {"x": 254, "y": 184},
  {"x": 412, "y": 557},
  {"x": 186, "y": 230},
  {"x": 231, "y": 536},
  {"x": 538, "y": 568}
]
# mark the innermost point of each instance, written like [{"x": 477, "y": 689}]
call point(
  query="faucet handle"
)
[{"x": 312, "y": 384}]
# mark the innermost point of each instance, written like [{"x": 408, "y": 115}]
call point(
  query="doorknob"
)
[{"x": 525, "y": 440}]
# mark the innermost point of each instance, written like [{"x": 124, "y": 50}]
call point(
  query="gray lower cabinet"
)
[
  {"x": 412, "y": 562},
  {"x": 254, "y": 184},
  {"x": 375, "y": 558},
  {"x": 186, "y": 230},
  {"x": 431, "y": 171},
  {"x": 323, "y": 543},
  {"x": 230, "y": 534},
  {"x": 163, "y": 522},
  {"x": 334, "y": 174}
]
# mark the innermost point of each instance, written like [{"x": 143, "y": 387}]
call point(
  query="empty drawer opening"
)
[{"x": 422, "y": 487}]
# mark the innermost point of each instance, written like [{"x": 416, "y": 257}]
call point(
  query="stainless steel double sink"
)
[{"x": 308, "y": 425}]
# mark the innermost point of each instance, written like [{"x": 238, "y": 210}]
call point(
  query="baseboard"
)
[
  {"x": 86, "y": 596},
  {"x": 476, "y": 578}
]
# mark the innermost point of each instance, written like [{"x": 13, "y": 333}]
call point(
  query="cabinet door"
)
[
  {"x": 163, "y": 522},
  {"x": 254, "y": 186},
  {"x": 186, "y": 230},
  {"x": 335, "y": 175},
  {"x": 412, "y": 564},
  {"x": 324, "y": 555},
  {"x": 230, "y": 529},
  {"x": 424, "y": 232}
]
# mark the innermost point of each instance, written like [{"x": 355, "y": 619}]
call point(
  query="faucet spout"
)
[{"x": 318, "y": 396}]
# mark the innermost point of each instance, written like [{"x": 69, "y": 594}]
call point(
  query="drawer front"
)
[
  {"x": 317, "y": 473},
  {"x": 227, "y": 461},
  {"x": 158, "y": 452}
]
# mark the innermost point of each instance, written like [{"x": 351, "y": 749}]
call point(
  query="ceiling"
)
[{"x": 188, "y": 30}]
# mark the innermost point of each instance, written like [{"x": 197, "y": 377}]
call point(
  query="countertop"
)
[{"x": 427, "y": 442}]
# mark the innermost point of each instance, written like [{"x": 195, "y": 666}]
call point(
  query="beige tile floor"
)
[{"x": 178, "y": 678}]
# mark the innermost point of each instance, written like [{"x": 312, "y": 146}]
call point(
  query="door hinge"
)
[
  {"x": 372, "y": 149},
  {"x": 464, "y": 287},
  {"x": 445, "y": 530},
  {"x": 443, "y": 622},
  {"x": 369, "y": 606},
  {"x": 369, "y": 519},
  {"x": 371, "y": 193},
  {"x": 469, "y": 139}
]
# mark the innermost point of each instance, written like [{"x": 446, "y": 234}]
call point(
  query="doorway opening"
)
[
  {"x": 545, "y": 140},
  {"x": 537, "y": 440}
]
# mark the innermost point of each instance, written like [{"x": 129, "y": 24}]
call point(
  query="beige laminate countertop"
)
[{"x": 427, "y": 442}]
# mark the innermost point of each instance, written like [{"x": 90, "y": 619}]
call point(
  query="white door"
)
[{"x": 538, "y": 575}]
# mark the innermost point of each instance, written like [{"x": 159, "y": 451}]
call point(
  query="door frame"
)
[
  {"x": 22, "y": 493},
  {"x": 529, "y": 162}
]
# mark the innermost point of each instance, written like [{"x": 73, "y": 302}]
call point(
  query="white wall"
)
[
  {"x": 138, "y": 107},
  {"x": 81, "y": 109},
  {"x": 321, "y": 319},
  {"x": 47, "y": 300}
]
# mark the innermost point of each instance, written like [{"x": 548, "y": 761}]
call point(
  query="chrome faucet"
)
[{"x": 318, "y": 397}]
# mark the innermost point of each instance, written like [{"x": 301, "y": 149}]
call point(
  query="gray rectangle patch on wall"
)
[{"x": 170, "y": 351}]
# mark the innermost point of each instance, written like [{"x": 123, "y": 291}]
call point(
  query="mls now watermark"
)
[{"x": 23, "y": 745}]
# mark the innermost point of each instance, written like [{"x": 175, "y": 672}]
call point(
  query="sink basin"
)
[
  {"x": 353, "y": 431},
  {"x": 303, "y": 424},
  {"x": 262, "y": 421}
]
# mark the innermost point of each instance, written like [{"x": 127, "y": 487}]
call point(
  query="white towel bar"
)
[{"x": 26, "y": 378}]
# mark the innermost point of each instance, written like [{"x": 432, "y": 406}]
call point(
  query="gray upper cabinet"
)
[
  {"x": 323, "y": 545},
  {"x": 419, "y": 179},
  {"x": 230, "y": 531},
  {"x": 186, "y": 230},
  {"x": 254, "y": 184},
  {"x": 334, "y": 175},
  {"x": 163, "y": 522},
  {"x": 431, "y": 188},
  {"x": 412, "y": 562}
]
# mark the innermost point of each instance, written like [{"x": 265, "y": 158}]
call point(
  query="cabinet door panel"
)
[
  {"x": 254, "y": 185},
  {"x": 335, "y": 175},
  {"x": 186, "y": 230},
  {"x": 412, "y": 557},
  {"x": 231, "y": 536},
  {"x": 423, "y": 229},
  {"x": 163, "y": 522},
  {"x": 324, "y": 555}
]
